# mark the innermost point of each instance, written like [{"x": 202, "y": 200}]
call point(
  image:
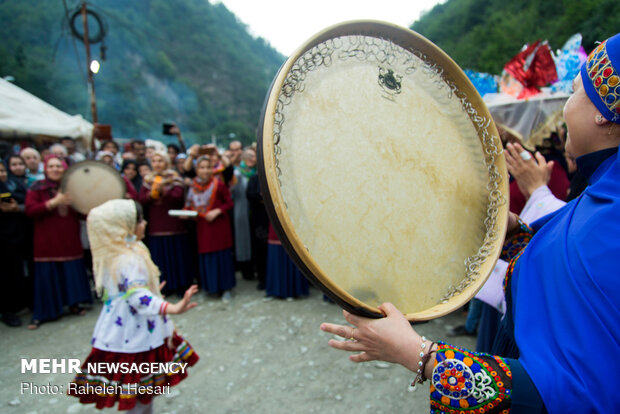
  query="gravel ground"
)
[{"x": 257, "y": 355}]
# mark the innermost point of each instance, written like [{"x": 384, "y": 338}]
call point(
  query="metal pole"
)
[{"x": 91, "y": 80}]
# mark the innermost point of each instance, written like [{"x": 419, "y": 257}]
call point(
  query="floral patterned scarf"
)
[{"x": 201, "y": 196}]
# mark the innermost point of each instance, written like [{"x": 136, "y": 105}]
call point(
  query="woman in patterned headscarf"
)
[
  {"x": 163, "y": 190},
  {"x": 210, "y": 199}
]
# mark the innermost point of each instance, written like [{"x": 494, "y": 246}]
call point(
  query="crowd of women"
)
[{"x": 44, "y": 244}]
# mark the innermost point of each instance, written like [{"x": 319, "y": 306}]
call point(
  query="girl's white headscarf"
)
[{"x": 111, "y": 233}]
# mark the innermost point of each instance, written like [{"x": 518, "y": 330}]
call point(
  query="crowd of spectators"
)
[
  {"x": 44, "y": 246},
  {"x": 45, "y": 252}
]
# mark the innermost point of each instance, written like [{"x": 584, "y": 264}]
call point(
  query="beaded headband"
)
[{"x": 601, "y": 79}]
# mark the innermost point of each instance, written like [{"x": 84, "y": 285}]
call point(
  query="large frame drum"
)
[
  {"x": 383, "y": 172},
  {"x": 92, "y": 183}
]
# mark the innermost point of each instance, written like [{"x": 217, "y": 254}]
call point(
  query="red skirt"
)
[{"x": 137, "y": 377}]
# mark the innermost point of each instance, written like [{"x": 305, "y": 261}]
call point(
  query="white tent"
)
[{"x": 23, "y": 115}]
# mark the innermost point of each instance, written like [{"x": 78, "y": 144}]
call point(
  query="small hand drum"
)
[
  {"x": 382, "y": 171},
  {"x": 92, "y": 183}
]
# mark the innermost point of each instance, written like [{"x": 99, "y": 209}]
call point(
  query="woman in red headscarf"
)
[{"x": 59, "y": 273}]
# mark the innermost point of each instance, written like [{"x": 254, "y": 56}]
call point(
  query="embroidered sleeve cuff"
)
[
  {"x": 469, "y": 382},
  {"x": 516, "y": 241}
]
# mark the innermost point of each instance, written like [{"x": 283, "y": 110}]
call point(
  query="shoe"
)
[
  {"x": 10, "y": 319},
  {"x": 77, "y": 310},
  {"x": 34, "y": 324},
  {"x": 226, "y": 296},
  {"x": 460, "y": 331}
]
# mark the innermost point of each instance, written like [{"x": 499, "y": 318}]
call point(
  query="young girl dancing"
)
[
  {"x": 133, "y": 328},
  {"x": 211, "y": 199}
]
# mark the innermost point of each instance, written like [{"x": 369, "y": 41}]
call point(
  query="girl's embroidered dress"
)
[{"x": 133, "y": 328}]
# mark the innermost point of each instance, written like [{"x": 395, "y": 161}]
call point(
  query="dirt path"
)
[{"x": 258, "y": 355}]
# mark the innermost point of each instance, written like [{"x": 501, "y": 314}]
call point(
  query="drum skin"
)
[
  {"x": 382, "y": 171},
  {"x": 92, "y": 183}
]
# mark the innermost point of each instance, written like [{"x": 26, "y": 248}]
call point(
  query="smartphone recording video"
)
[{"x": 166, "y": 129}]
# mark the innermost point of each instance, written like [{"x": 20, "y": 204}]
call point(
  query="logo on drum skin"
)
[{"x": 390, "y": 82}]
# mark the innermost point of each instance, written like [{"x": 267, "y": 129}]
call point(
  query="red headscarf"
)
[{"x": 46, "y": 183}]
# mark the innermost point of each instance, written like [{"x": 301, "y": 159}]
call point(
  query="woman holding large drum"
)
[
  {"x": 560, "y": 337},
  {"x": 60, "y": 277}
]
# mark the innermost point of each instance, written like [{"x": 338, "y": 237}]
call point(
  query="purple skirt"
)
[
  {"x": 59, "y": 284},
  {"x": 217, "y": 271},
  {"x": 284, "y": 280}
]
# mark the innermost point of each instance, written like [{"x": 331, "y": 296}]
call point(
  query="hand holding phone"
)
[
  {"x": 167, "y": 129},
  {"x": 208, "y": 149}
]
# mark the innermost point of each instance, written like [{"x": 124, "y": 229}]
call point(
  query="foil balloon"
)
[
  {"x": 533, "y": 67},
  {"x": 568, "y": 60},
  {"x": 484, "y": 82}
]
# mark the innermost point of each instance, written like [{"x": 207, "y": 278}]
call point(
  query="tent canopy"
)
[
  {"x": 23, "y": 115},
  {"x": 531, "y": 120}
]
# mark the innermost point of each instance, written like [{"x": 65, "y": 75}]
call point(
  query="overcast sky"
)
[{"x": 286, "y": 24}]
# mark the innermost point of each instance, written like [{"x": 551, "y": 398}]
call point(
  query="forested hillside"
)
[
  {"x": 188, "y": 61},
  {"x": 484, "y": 34},
  {"x": 194, "y": 63}
]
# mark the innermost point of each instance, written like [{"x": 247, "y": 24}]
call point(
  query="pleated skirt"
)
[
  {"x": 217, "y": 271},
  {"x": 59, "y": 284},
  {"x": 284, "y": 280},
  {"x": 172, "y": 254},
  {"x": 106, "y": 389},
  {"x": 487, "y": 327}
]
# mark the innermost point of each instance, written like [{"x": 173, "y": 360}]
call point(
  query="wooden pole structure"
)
[{"x": 91, "y": 79}]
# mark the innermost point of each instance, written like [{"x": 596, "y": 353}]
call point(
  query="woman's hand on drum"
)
[
  {"x": 184, "y": 304},
  {"x": 60, "y": 199},
  {"x": 390, "y": 339},
  {"x": 513, "y": 223},
  {"x": 529, "y": 173}
]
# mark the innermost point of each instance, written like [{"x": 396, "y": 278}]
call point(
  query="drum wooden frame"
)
[{"x": 399, "y": 57}]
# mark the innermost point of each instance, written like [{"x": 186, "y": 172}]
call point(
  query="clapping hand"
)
[{"x": 529, "y": 173}]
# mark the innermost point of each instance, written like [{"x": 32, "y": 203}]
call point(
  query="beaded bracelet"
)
[{"x": 424, "y": 357}]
